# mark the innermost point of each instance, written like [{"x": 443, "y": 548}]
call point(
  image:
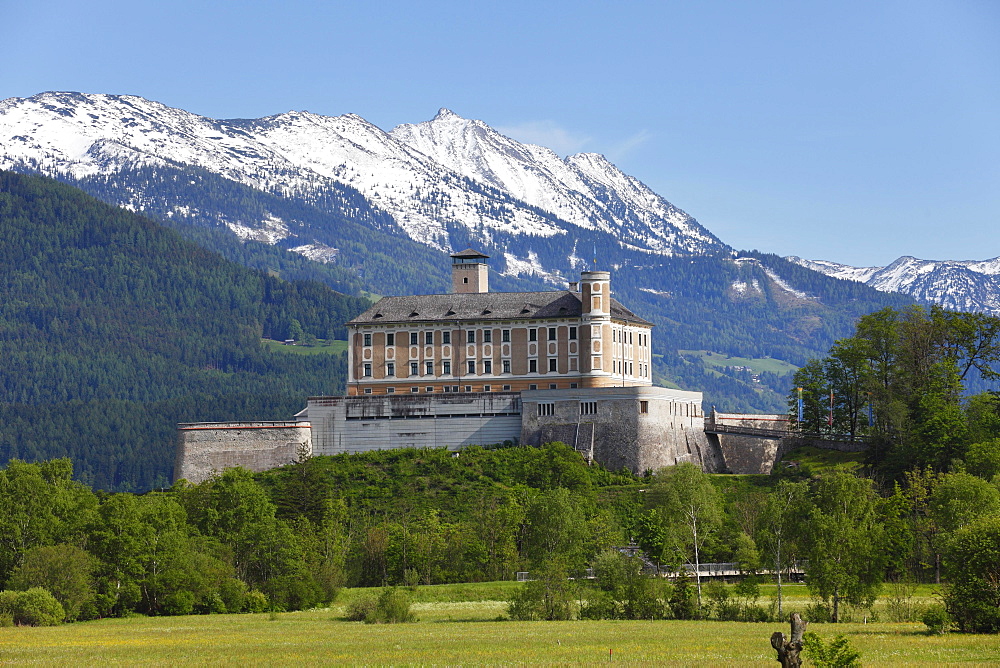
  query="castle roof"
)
[{"x": 484, "y": 306}]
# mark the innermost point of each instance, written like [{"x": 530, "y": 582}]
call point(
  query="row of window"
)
[
  {"x": 586, "y": 408},
  {"x": 622, "y": 336},
  {"x": 469, "y": 388},
  {"x": 626, "y": 368},
  {"x": 390, "y": 367},
  {"x": 470, "y": 336}
]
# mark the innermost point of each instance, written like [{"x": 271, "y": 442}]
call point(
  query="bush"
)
[
  {"x": 393, "y": 607},
  {"x": 256, "y": 601},
  {"x": 683, "y": 604},
  {"x": 65, "y": 571},
  {"x": 360, "y": 609},
  {"x": 549, "y": 597},
  {"x": 937, "y": 620},
  {"x": 837, "y": 654},
  {"x": 34, "y": 607},
  {"x": 972, "y": 561}
]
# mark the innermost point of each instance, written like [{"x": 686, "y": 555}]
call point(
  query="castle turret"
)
[
  {"x": 595, "y": 298},
  {"x": 469, "y": 272}
]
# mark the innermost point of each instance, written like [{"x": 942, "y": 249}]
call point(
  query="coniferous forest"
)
[{"x": 113, "y": 329}]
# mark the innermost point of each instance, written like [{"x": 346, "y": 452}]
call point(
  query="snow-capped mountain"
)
[
  {"x": 963, "y": 285},
  {"x": 447, "y": 182},
  {"x": 585, "y": 190}
]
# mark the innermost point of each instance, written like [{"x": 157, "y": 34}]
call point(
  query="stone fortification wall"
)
[
  {"x": 207, "y": 448},
  {"x": 749, "y": 454},
  {"x": 639, "y": 428},
  {"x": 752, "y": 420},
  {"x": 378, "y": 422},
  {"x": 757, "y": 454}
]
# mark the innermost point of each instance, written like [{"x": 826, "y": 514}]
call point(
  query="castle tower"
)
[
  {"x": 595, "y": 298},
  {"x": 469, "y": 272}
]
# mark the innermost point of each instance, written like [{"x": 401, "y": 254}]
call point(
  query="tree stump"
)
[{"x": 788, "y": 650}]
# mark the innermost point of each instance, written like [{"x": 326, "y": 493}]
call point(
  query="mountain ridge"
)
[{"x": 962, "y": 285}]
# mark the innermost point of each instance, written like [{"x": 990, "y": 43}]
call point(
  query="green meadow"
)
[
  {"x": 464, "y": 632},
  {"x": 321, "y": 347},
  {"x": 758, "y": 364}
]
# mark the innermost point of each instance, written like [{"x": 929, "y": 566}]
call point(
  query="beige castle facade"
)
[{"x": 473, "y": 340}]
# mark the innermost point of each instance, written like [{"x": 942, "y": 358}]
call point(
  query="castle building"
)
[
  {"x": 475, "y": 367},
  {"x": 473, "y": 340}
]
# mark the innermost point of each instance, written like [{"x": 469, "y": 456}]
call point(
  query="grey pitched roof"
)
[
  {"x": 484, "y": 306},
  {"x": 469, "y": 253}
]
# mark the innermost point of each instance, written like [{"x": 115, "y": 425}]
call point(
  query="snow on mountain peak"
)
[
  {"x": 419, "y": 174},
  {"x": 965, "y": 285}
]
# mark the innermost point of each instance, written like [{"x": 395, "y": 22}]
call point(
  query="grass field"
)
[
  {"x": 461, "y": 632},
  {"x": 758, "y": 364},
  {"x": 322, "y": 347}
]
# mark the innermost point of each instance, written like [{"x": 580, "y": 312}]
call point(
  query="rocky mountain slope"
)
[
  {"x": 963, "y": 285},
  {"x": 445, "y": 183}
]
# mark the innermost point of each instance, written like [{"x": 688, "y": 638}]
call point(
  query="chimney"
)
[{"x": 469, "y": 272}]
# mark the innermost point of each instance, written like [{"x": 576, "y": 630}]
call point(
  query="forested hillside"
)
[{"x": 113, "y": 328}]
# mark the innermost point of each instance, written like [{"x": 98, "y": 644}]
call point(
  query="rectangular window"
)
[
  {"x": 429, "y": 366},
  {"x": 429, "y": 388},
  {"x": 487, "y": 367},
  {"x": 487, "y": 336},
  {"x": 552, "y": 333},
  {"x": 546, "y": 409},
  {"x": 553, "y": 386},
  {"x": 532, "y": 334},
  {"x": 390, "y": 369},
  {"x": 429, "y": 338},
  {"x": 413, "y": 338},
  {"x": 471, "y": 336},
  {"x": 447, "y": 388},
  {"x": 532, "y": 366},
  {"x": 552, "y": 364},
  {"x": 413, "y": 368},
  {"x": 505, "y": 335},
  {"x": 368, "y": 369},
  {"x": 390, "y": 339},
  {"x": 643, "y": 406},
  {"x": 532, "y": 387},
  {"x": 506, "y": 366},
  {"x": 368, "y": 390},
  {"x": 390, "y": 390},
  {"x": 472, "y": 367},
  {"x": 487, "y": 388},
  {"x": 446, "y": 368},
  {"x": 468, "y": 388},
  {"x": 454, "y": 388},
  {"x": 588, "y": 408},
  {"x": 572, "y": 386},
  {"x": 506, "y": 388},
  {"x": 414, "y": 390},
  {"x": 572, "y": 333},
  {"x": 445, "y": 337},
  {"x": 368, "y": 339}
]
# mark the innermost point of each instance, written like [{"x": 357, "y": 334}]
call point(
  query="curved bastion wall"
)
[{"x": 207, "y": 448}]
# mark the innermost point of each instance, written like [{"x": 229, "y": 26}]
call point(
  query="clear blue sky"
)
[{"x": 854, "y": 131}]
